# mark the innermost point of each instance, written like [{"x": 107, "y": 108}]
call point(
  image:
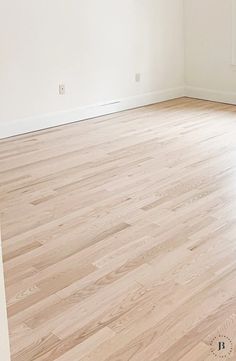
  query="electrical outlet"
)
[
  {"x": 62, "y": 89},
  {"x": 137, "y": 77}
]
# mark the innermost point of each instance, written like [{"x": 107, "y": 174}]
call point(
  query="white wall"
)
[
  {"x": 209, "y": 73},
  {"x": 94, "y": 47}
]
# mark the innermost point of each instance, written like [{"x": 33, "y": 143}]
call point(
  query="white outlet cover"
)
[
  {"x": 62, "y": 89},
  {"x": 137, "y": 77}
]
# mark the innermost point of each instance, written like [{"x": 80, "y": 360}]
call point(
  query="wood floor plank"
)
[{"x": 119, "y": 235}]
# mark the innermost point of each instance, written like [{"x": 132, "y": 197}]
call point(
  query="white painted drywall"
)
[
  {"x": 209, "y": 72},
  {"x": 95, "y": 47},
  {"x": 4, "y": 339}
]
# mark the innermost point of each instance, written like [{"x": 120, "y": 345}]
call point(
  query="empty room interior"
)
[{"x": 118, "y": 180}]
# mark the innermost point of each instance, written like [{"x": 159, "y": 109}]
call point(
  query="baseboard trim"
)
[
  {"x": 210, "y": 94},
  {"x": 27, "y": 125}
]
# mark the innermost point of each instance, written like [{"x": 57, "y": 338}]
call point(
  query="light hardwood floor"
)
[{"x": 119, "y": 235}]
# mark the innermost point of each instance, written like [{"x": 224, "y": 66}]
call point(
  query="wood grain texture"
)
[{"x": 119, "y": 235}]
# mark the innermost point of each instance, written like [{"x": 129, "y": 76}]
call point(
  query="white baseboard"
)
[
  {"x": 22, "y": 126},
  {"x": 210, "y": 94},
  {"x": 45, "y": 121}
]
